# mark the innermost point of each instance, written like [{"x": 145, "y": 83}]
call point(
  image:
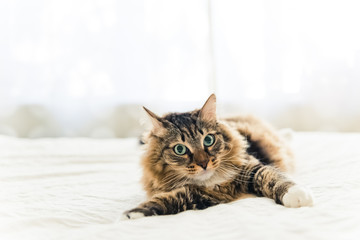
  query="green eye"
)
[
  {"x": 209, "y": 140},
  {"x": 180, "y": 149}
]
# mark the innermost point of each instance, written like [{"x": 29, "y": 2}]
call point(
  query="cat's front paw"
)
[
  {"x": 137, "y": 213},
  {"x": 298, "y": 196},
  {"x": 132, "y": 215}
]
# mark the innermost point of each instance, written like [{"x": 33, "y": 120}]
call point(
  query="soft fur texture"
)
[{"x": 246, "y": 156}]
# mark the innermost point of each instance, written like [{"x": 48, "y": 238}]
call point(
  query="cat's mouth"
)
[{"x": 204, "y": 174}]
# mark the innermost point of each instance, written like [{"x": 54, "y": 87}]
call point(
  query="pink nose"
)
[{"x": 203, "y": 164}]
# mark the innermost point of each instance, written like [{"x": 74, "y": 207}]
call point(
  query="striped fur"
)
[{"x": 246, "y": 157}]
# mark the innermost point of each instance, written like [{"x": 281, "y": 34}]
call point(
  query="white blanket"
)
[{"x": 77, "y": 189}]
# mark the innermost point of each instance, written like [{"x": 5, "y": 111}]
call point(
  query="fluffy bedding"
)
[{"x": 78, "y": 188}]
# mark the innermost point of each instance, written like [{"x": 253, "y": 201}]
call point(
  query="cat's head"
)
[{"x": 193, "y": 145}]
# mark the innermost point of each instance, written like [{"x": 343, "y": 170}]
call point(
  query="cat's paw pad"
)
[{"x": 298, "y": 197}]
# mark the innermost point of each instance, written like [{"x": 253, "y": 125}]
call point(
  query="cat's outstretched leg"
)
[
  {"x": 265, "y": 180},
  {"x": 178, "y": 200}
]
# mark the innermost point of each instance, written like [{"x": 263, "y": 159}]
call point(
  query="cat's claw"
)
[
  {"x": 298, "y": 197},
  {"x": 139, "y": 212},
  {"x": 132, "y": 215}
]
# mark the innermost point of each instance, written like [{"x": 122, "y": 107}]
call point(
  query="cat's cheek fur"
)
[{"x": 298, "y": 196}]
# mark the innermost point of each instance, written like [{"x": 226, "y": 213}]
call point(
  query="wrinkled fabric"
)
[{"x": 78, "y": 188}]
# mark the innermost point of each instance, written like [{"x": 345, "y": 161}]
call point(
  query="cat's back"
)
[
  {"x": 264, "y": 141},
  {"x": 250, "y": 126}
]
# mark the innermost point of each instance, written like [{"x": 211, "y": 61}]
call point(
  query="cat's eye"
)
[
  {"x": 180, "y": 149},
  {"x": 209, "y": 140}
]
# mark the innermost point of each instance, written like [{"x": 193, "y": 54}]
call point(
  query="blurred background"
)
[{"x": 85, "y": 67}]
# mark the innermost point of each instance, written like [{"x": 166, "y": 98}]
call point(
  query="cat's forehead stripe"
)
[
  {"x": 190, "y": 131},
  {"x": 186, "y": 123},
  {"x": 182, "y": 137}
]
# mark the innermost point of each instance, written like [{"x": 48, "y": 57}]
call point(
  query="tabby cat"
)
[{"x": 194, "y": 160}]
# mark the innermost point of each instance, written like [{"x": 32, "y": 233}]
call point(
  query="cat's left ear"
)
[
  {"x": 158, "y": 123},
  {"x": 208, "y": 111},
  {"x": 154, "y": 118}
]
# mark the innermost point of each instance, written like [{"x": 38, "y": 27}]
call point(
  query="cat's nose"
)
[{"x": 203, "y": 164}]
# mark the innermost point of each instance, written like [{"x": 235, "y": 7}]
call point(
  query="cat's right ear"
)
[
  {"x": 156, "y": 120},
  {"x": 208, "y": 111}
]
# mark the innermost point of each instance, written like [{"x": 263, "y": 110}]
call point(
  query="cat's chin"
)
[{"x": 204, "y": 175}]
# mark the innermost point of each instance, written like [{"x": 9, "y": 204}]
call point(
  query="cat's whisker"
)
[
  {"x": 175, "y": 179},
  {"x": 234, "y": 170},
  {"x": 226, "y": 172},
  {"x": 240, "y": 171},
  {"x": 228, "y": 152}
]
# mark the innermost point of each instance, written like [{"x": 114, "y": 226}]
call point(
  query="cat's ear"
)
[
  {"x": 156, "y": 120},
  {"x": 208, "y": 111}
]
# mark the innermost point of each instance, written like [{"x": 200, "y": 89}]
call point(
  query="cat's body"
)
[{"x": 194, "y": 161}]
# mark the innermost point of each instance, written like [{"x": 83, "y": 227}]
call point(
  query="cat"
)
[{"x": 194, "y": 160}]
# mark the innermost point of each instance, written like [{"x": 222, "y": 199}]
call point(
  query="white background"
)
[{"x": 84, "y": 68}]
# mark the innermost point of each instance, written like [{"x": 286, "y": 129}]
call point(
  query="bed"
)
[{"x": 77, "y": 189}]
